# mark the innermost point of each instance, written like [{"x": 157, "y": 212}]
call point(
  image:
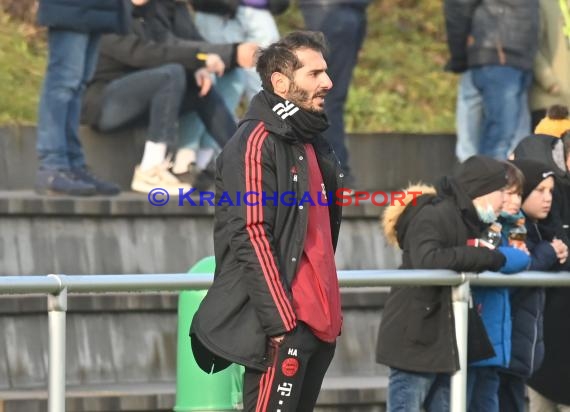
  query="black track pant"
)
[{"x": 294, "y": 381}]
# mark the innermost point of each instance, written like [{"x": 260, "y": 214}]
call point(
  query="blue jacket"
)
[
  {"x": 495, "y": 310},
  {"x": 494, "y": 307},
  {"x": 87, "y": 16}
]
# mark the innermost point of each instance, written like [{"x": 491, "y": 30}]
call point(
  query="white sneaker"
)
[{"x": 144, "y": 181}]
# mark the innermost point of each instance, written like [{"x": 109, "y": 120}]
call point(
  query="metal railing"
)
[{"x": 57, "y": 287}]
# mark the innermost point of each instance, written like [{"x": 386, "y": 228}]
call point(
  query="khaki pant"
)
[{"x": 539, "y": 403}]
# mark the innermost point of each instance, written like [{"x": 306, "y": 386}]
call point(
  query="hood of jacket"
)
[
  {"x": 396, "y": 217},
  {"x": 546, "y": 149}
]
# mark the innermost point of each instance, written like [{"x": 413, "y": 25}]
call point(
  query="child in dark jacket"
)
[
  {"x": 493, "y": 305},
  {"x": 527, "y": 304}
]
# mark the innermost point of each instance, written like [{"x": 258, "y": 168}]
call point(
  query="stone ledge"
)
[{"x": 379, "y": 160}]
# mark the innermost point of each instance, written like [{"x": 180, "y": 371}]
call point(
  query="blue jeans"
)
[
  {"x": 468, "y": 119},
  {"x": 71, "y": 63},
  {"x": 193, "y": 134},
  {"x": 503, "y": 89},
  {"x": 344, "y": 27},
  {"x": 412, "y": 391},
  {"x": 152, "y": 94},
  {"x": 483, "y": 389},
  {"x": 159, "y": 96}
]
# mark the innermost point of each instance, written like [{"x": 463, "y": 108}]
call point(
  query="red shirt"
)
[{"x": 316, "y": 295}]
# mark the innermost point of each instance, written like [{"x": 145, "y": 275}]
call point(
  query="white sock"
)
[
  {"x": 154, "y": 154},
  {"x": 184, "y": 157},
  {"x": 203, "y": 157}
]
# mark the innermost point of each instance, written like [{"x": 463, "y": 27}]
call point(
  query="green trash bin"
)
[{"x": 195, "y": 389}]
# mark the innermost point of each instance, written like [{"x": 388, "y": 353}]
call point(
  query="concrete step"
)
[{"x": 351, "y": 393}]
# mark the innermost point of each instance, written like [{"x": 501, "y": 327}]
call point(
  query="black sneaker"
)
[
  {"x": 101, "y": 186},
  {"x": 53, "y": 182},
  {"x": 189, "y": 176}
]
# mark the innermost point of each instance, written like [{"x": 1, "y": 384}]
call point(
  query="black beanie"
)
[
  {"x": 534, "y": 172},
  {"x": 480, "y": 175}
]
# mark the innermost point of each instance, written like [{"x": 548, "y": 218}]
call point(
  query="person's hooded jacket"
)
[
  {"x": 258, "y": 248},
  {"x": 550, "y": 151},
  {"x": 417, "y": 331}
]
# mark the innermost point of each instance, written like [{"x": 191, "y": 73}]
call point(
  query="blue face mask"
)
[{"x": 486, "y": 213}]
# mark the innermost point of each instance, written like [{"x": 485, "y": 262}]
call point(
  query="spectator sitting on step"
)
[{"x": 151, "y": 72}]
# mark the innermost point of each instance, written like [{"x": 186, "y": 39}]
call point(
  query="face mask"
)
[{"x": 486, "y": 213}]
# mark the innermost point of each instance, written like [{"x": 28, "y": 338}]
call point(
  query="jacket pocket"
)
[{"x": 423, "y": 321}]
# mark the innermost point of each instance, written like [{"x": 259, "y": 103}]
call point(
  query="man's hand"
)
[
  {"x": 203, "y": 80},
  {"x": 277, "y": 339},
  {"x": 215, "y": 64},
  {"x": 246, "y": 54}
]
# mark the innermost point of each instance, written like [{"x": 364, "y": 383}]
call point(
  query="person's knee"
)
[{"x": 175, "y": 74}]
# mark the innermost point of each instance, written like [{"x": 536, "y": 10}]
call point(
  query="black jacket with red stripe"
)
[{"x": 258, "y": 246}]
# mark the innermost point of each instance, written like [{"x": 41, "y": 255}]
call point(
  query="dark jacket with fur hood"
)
[{"x": 417, "y": 331}]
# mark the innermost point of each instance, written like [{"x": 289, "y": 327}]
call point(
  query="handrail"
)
[{"x": 59, "y": 286}]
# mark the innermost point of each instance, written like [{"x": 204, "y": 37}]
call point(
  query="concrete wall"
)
[{"x": 382, "y": 161}]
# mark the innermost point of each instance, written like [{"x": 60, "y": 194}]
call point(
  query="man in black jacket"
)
[
  {"x": 274, "y": 305},
  {"x": 496, "y": 41}
]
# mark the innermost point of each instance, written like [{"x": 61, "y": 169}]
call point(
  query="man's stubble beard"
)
[{"x": 300, "y": 97}]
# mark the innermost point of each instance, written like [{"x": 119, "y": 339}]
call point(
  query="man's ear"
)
[{"x": 280, "y": 83}]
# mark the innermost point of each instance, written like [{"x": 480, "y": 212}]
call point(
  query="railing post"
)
[
  {"x": 57, "y": 308},
  {"x": 458, "y": 393}
]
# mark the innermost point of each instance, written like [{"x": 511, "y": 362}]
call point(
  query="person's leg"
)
[
  {"x": 539, "y": 403},
  {"x": 344, "y": 27},
  {"x": 298, "y": 369},
  {"x": 74, "y": 149},
  {"x": 469, "y": 118},
  {"x": 511, "y": 393},
  {"x": 212, "y": 111},
  {"x": 501, "y": 88},
  {"x": 407, "y": 391},
  {"x": 316, "y": 369},
  {"x": 62, "y": 86},
  {"x": 157, "y": 92},
  {"x": 524, "y": 125},
  {"x": 193, "y": 134},
  {"x": 75, "y": 154},
  {"x": 438, "y": 396},
  {"x": 485, "y": 393}
]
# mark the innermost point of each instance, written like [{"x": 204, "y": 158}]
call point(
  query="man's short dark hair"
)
[{"x": 280, "y": 56}]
